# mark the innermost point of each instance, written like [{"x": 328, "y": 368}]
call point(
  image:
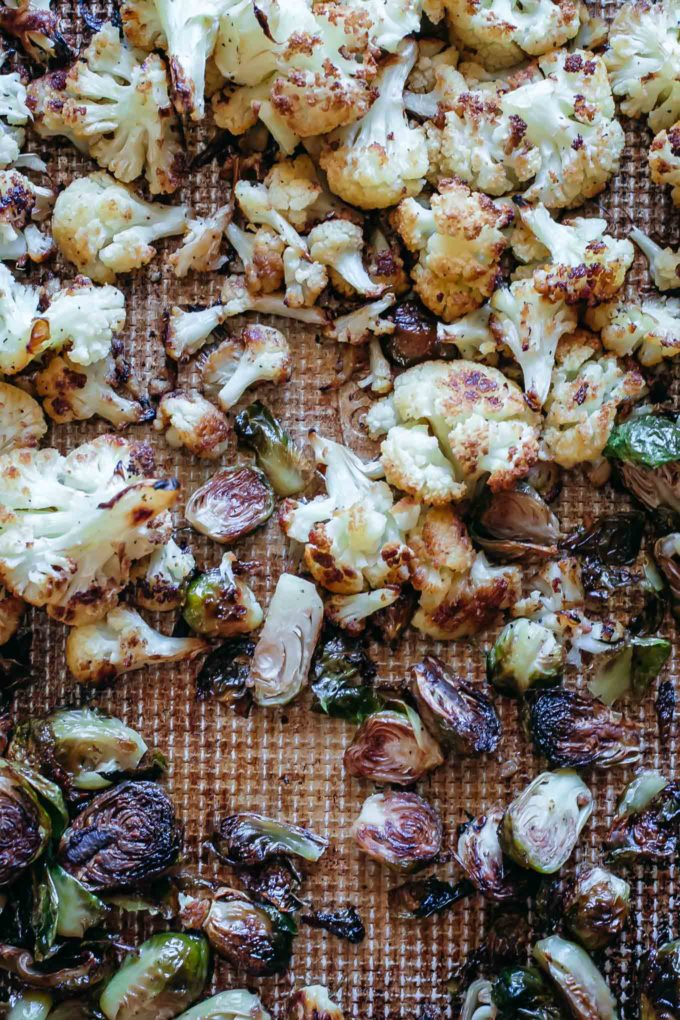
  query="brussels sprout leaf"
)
[
  {"x": 340, "y": 667},
  {"x": 650, "y": 440}
]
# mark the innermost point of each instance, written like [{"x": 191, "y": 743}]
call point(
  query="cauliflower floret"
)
[
  {"x": 37, "y": 29},
  {"x": 261, "y": 254},
  {"x": 664, "y": 160},
  {"x": 503, "y": 32},
  {"x": 14, "y": 115},
  {"x": 531, "y": 325},
  {"x": 391, "y": 20},
  {"x": 459, "y": 242},
  {"x": 189, "y": 420},
  {"x": 471, "y": 336},
  {"x": 643, "y": 60},
  {"x": 339, "y": 244},
  {"x": 588, "y": 386},
  {"x": 381, "y": 159},
  {"x": 11, "y": 613},
  {"x": 22, "y": 335},
  {"x": 414, "y": 463},
  {"x": 238, "y": 108},
  {"x": 664, "y": 263},
  {"x": 379, "y": 379},
  {"x": 72, "y": 392},
  {"x": 649, "y": 329},
  {"x": 99, "y": 652},
  {"x": 200, "y": 251},
  {"x": 350, "y": 612},
  {"x": 23, "y": 424},
  {"x": 355, "y": 535},
  {"x": 304, "y": 279},
  {"x": 70, "y": 527},
  {"x": 22, "y": 205},
  {"x": 159, "y": 581},
  {"x": 256, "y": 205},
  {"x": 104, "y": 228},
  {"x": 358, "y": 326},
  {"x": 294, "y": 190},
  {"x": 114, "y": 104},
  {"x": 479, "y": 418},
  {"x": 257, "y": 354},
  {"x": 85, "y": 319}
]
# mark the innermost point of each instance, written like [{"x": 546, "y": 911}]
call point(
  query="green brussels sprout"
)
[
  {"x": 522, "y": 992},
  {"x": 630, "y": 669},
  {"x": 573, "y": 731},
  {"x": 646, "y": 825},
  {"x": 77, "y": 908},
  {"x": 220, "y": 604},
  {"x": 237, "y": 1004},
  {"x": 288, "y": 468},
  {"x": 542, "y": 825},
  {"x": 231, "y": 504},
  {"x": 342, "y": 671},
  {"x": 576, "y": 978},
  {"x": 247, "y": 839},
  {"x": 165, "y": 975},
  {"x": 32, "y": 811},
  {"x": 30, "y": 1006},
  {"x": 312, "y": 1003},
  {"x": 526, "y": 655},
  {"x": 515, "y": 525},
  {"x": 660, "y": 995},
  {"x": 596, "y": 907}
]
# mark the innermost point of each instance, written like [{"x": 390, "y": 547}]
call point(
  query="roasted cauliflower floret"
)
[
  {"x": 103, "y": 227},
  {"x": 304, "y": 278},
  {"x": 459, "y": 243},
  {"x": 23, "y": 205},
  {"x": 480, "y": 420},
  {"x": 339, "y": 245},
  {"x": 257, "y": 354},
  {"x": 381, "y": 159},
  {"x": 504, "y": 32},
  {"x": 72, "y": 392},
  {"x": 391, "y": 20},
  {"x": 294, "y": 191},
  {"x": 201, "y": 248},
  {"x": 664, "y": 160},
  {"x": 37, "y": 29},
  {"x": 471, "y": 336},
  {"x": 643, "y": 60},
  {"x": 189, "y": 420},
  {"x": 256, "y": 205},
  {"x": 649, "y": 329},
  {"x": 23, "y": 424},
  {"x": 14, "y": 115},
  {"x": 261, "y": 255},
  {"x": 159, "y": 581},
  {"x": 70, "y": 527},
  {"x": 588, "y": 386},
  {"x": 414, "y": 463},
  {"x": 664, "y": 263}
]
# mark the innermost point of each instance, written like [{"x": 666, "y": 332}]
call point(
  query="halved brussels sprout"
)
[
  {"x": 525, "y": 655},
  {"x": 515, "y": 525},
  {"x": 667, "y": 557},
  {"x": 165, "y": 975},
  {"x": 237, "y": 1004},
  {"x": 423, "y": 897},
  {"x": 522, "y": 992},
  {"x": 76, "y": 967},
  {"x": 125, "y": 835},
  {"x": 629, "y": 668},
  {"x": 312, "y": 1003},
  {"x": 613, "y": 538},
  {"x": 660, "y": 995},
  {"x": 596, "y": 907},
  {"x": 461, "y": 716},
  {"x": 342, "y": 671},
  {"x": 247, "y": 839},
  {"x": 390, "y": 623},
  {"x": 399, "y": 829},
  {"x": 25, "y": 822},
  {"x": 542, "y": 825},
  {"x": 220, "y": 604},
  {"x": 480, "y": 855},
  {"x": 576, "y": 978},
  {"x": 573, "y": 731},
  {"x": 344, "y": 924},
  {"x": 646, "y": 825},
  {"x": 393, "y": 746},
  {"x": 231, "y": 504},
  {"x": 224, "y": 674},
  {"x": 288, "y": 468}
]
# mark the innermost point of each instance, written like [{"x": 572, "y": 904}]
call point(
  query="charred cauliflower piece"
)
[
  {"x": 103, "y": 227},
  {"x": 201, "y": 249},
  {"x": 257, "y": 354},
  {"x": 664, "y": 160},
  {"x": 37, "y": 29},
  {"x": 14, "y": 115},
  {"x": 649, "y": 329},
  {"x": 643, "y": 60},
  {"x": 459, "y": 243},
  {"x": 114, "y": 105},
  {"x": 189, "y": 420},
  {"x": 480, "y": 421},
  {"x": 588, "y": 386},
  {"x": 72, "y": 392},
  {"x": 70, "y": 527},
  {"x": 23, "y": 424},
  {"x": 23, "y": 205},
  {"x": 160, "y": 581},
  {"x": 261, "y": 254}
]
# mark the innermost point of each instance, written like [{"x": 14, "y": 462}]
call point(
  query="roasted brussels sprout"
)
[
  {"x": 667, "y": 556},
  {"x": 414, "y": 337},
  {"x": 232, "y": 504},
  {"x": 614, "y": 539},
  {"x": 515, "y": 525},
  {"x": 165, "y": 975},
  {"x": 312, "y": 1003},
  {"x": 398, "y": 829},
  {"x": 277, "y": 881},
  {"x": 25, "y": 820},
  {"x": 342, "y": 671},
  {"x": 393, "y": 746},
  {"x": 344, "y": 924},
  {"x": 660, "y": 983},
  {"x": 665, "y": 709},
  {"x": 522, "y": 992},
  {"x": 253, "y": 937},
  {"x": 573, "y": 731},
  {"x": 159, "y": 581},
  {"x": 576, "y": 978},
  {"x": 423, "y": 897},
  {"x": 646, "y": 825},
  {"x": 224, "y": 674},
  {"x": 125, "y": 835},
  {"x": 390, "y": 623},
  {"x": 77, "y": 967},
  {"x": 288, "y": 468},
  {"x": 77, "y": 908},
  {"x": 245, "y": 840},
  {"x": 478, "y": 1003},
  {"x": 220, "y": 604},
  {"x": 480, "y": 856},
  {"x": 525, "y": 655},
  {"x": 29, "y": 1006},
  {"x": 237, "y": 1004},
  {"x": 630, "y": 668},
  {"x": 596, "y": 907},
  {"x": 461, "y": 716},
  {"x": 542, "y": 825},
  {"x": 658, "y": 489}
]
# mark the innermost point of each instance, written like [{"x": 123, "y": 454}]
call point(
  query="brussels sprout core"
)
[
  {"x": 398, "y": 829},
  {"x": 526, "y": 655},
  {"x": 542, "y": 825}
]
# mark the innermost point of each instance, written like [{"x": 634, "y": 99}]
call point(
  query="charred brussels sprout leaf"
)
[
  {"x": 76, "y": 967},
  {"x": 276, "y": 882},
  {"x": 576, "y": 978},
  {"x": 233, "y": 503},
  {"x": 522, "y": 992},
  {"x": 288, "y": 468},
  {"x": 220, "y": 604},
  {"x": 478, "y": 1003},
  {"x": 342, "y": 671},
  {"x": 44, "y": 912},
  {"x": 480, "y": 856},
  {"x": 125, "y": 835},
  {"x": 393, "y": 746},
  {"x": 246, "y": 839},
  {"x": 658, "y": 489},
  {"x": 646, "y": 825},
  {"x": 525, "y": 655},
  {"x": 600, "y": 581},
  {"x": 596, "y": 907},
  {"x": 462, "y": 716},
  {"x": 224, "y": 674},
  {"x": 515, "y": 525},
  {"x": 165, "y": 975},
  {"x": 660, "y": 995},
  {"x": 542, "y": 825},
  {"x": 665, "y": 709},
  {"x": 649, "y": 440},
  {"x": 614, "y": 539},
  {"x": 400, "y": 830},
  {"x": 25, "y": 822},
  {"x": 77, "y": 908},
  {"x": 573, "y": 731},
  {"x": 423, "y": 897},
  {"x": 630, "y": 668},
  {"x": 344, "y": 924}
]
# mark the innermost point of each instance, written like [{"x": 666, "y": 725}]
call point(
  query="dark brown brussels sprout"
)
[
  {"x": 415, "y": 334},
  {"x": 342, "y": 671},
  {"x": 665, "y": 709},
  {"x": 224, "y": 675},
  {"x": 614, "y": 539},
  {"x": 25, "y": 822},
  {"x": 545, "y": 477},
  {"x": 390, "y": 623},
  {"x": 233, "y": 503},
  {"x": 288, "y": 468},
  {"x": 542, "y": 825},
  {"x": 515, "y": 525},
  {"x": 480, "y": 856},
  {"x": 277, "y": 882},
  {"x": 245, "y": 840},
  {"x": 220, "y": 604},
  {"x": 667, "y": 556},
  {"x": 573, "y": 731},
  {"x": 596, "y": 907},
  {"x": 253, "y": 937},
  {"x": 423, "y": 897},
  {"x": 399, "y": 829},
  {"x": 657, "y": 489},
  {"x": 312, "y": 1003},
  {"x": 125, "y": 835},
  {"x": 77, "y": 967},
  {"x": 344, "y": 924},
  {"x": 660, "y": 983},
  {"x": 522, "y": 992},
  {"x": 393, "y": 746},
  {"x": 461, "y": 716},
  {"x": 576, "y": 979},
  {"x": 525, "y": 655},
  {"x": 646, "y": 824}
]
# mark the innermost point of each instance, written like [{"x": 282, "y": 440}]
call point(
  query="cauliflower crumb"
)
[
  {"x": 650, "y": 329},
  {"x": 189, "y": 420},
  {"x": 23, "y": 424}
]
